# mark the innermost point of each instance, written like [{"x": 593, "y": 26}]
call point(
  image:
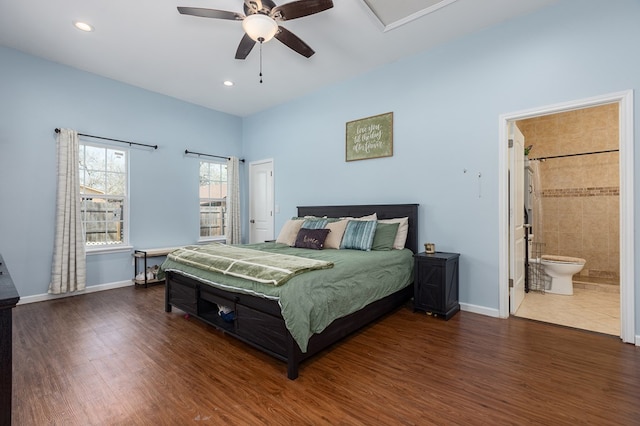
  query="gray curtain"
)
[
  {"x": 233, "y": 201},
  {"x": 68, "y": 271}
]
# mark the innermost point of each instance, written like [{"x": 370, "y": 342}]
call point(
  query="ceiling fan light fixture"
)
[
  {"x": 83, "y": 26},
  {"x": 260, "y": 27}
]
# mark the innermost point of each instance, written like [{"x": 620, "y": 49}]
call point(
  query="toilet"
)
[{"x": 561, "y": 270}]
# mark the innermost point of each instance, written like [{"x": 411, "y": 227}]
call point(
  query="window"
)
[
  {"x": 103, "y": 187},
  {"x": 213, "y": 200}
]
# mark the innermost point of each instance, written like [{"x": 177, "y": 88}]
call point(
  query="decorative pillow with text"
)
[{"x": 311, "y": 238}]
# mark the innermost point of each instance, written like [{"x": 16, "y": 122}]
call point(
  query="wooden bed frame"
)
[{"x": 259, "y": 322}]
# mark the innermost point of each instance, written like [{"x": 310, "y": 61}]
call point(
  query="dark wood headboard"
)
[{"x": 384, "y": 211}]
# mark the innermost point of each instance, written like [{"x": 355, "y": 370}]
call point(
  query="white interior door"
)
[
  {"x": 261, "y": 201},
  {"x": 517, "y": 238}
]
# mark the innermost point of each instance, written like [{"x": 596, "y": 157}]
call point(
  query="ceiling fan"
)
[{"x": 260, "y": 22}]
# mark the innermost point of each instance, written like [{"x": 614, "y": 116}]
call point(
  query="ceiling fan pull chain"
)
[{"x": 260, "y": 40}]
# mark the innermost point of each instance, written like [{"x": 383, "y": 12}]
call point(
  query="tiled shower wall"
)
[{"x": 580, "y": 195}]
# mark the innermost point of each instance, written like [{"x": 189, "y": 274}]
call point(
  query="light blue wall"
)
[
  {"x": 36, "y": 96},
  {"x": 446, "y": 103}
]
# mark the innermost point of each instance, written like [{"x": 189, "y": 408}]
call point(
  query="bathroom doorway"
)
[{"x": 587, "y": 200}]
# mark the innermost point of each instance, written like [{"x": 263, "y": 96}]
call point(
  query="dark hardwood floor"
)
[{"x": 116, "y": 357}]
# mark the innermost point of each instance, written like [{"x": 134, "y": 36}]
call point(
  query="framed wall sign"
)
[{"x": 370, "y": 137}]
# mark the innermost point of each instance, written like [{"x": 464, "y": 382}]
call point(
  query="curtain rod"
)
[
  {"x": 575, "y": 155},
  {"x": 115, "y": 140},
  {"x": 186, "y": 151}
]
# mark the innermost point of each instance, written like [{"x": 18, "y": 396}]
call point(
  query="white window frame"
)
[
  {"x": 217, "y": 238},
  {"x": 124, "y": 245}
]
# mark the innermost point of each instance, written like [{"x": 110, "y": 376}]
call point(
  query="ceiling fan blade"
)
[
  {"x": 300, "y": 8},
  {"x": 293, "y": 42},
  {"x": 211, "y": 13},
  {"x": 245, "y": 46}
]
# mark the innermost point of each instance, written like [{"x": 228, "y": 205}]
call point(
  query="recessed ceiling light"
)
[
  {"x": 82, "y": 26},
  {"x": 228, "y": 83}
]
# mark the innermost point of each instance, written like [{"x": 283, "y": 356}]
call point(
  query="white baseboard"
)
[
  {"x": 87, "y": 290},
  {"x": 482, "y": 310}
]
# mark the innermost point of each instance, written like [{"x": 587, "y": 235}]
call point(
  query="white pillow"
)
[
  {"x": 335, "y": 236},
  {"x": 373, "y": 216},
  {"x": 403, "y": 230},
  {"x": 289, "y": 232}
]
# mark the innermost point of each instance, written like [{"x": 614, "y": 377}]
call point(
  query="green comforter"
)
[
  {"x": 243, "y": 262},
  {"x": 310, "y": 301}
]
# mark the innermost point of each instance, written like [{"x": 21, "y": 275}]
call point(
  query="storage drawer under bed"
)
[
  {"x": 209, "y": 305},
  {"x": 257, "y": 320},
  {"x": 263, "y": 329},
  {"x": 206, "y": 294},
  {"x": 258, "y": 327},
  {"x": 184, "y": 296}
]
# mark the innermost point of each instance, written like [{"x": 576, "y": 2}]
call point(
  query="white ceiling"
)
[{"x": 147, "y": 43}]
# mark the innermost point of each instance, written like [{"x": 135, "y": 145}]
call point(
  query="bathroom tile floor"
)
[{"x": 594, "y": 308}]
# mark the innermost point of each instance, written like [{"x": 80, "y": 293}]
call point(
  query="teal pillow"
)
[
  {"x": 358, "y": 235},
  {"x": 314, "y": 223},
  {"x": 385, "y": 236}
]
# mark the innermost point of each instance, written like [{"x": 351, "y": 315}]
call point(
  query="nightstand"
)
[{"x": 436, "y": 283}]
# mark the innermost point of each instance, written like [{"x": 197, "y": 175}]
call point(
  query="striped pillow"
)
[
  {"x": 359, "y": 235},
  {"x": 315, "y": 223}
]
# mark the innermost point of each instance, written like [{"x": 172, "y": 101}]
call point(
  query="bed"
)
[{"x": 261, "y": 316}]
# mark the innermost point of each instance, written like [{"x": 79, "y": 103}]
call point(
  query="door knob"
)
[{"x": 252, "y": 221}]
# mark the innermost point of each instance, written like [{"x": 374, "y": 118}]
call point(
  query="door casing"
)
[{"x": 627, "y": 250}]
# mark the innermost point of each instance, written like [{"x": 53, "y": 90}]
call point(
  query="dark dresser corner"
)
[{"x": 8, "y": 299}]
